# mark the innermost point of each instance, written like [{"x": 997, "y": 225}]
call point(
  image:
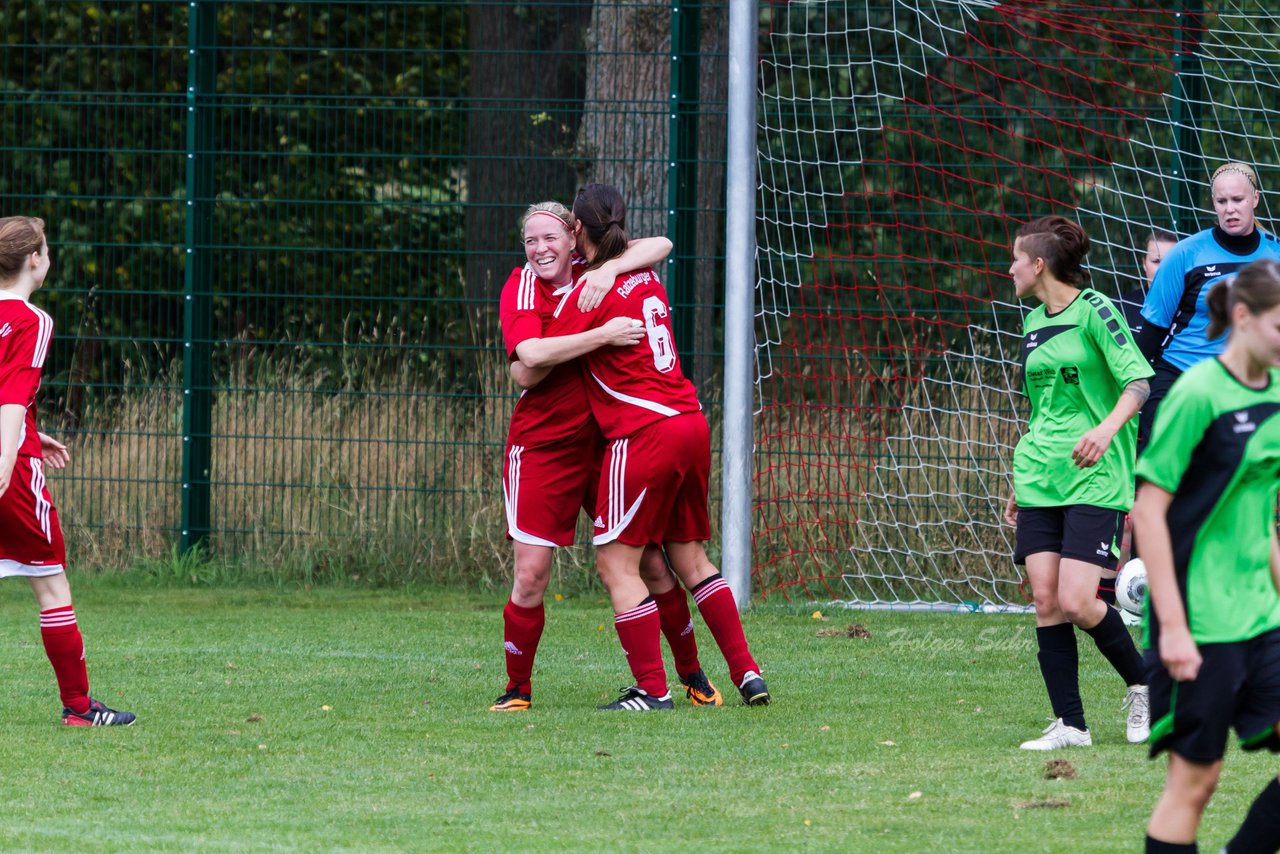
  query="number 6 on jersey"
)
[{"x": 664, "y": 355}]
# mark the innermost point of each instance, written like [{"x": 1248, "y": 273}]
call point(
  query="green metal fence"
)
[{"x": 279, "y": 230}]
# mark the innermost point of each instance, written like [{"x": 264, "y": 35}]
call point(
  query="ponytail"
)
[
  {"x": 600, "y": 209},
  {"x": 1219, "y": 309},
  {"x": 1256, "y": 287}
]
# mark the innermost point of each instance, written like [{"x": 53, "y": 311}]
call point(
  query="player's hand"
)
[
  {"x": 1011, "y": 510},
  {"x": 623, "y": 331},
  {"x": 1179, "y": 654},
  {"x": 1091, "y": 447},
  {"x": 6, "y": 472},
  {"x": 595, "y": 284},
  {"x": 56, "y": 454}
]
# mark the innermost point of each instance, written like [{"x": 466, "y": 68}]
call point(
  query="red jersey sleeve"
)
[
  {"x": 25, "y": 333},
  {"x": 630, "y": 387},
  {"x": 518, "y": 310}
]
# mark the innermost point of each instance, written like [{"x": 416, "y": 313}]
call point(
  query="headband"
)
[
  {"x": 563, "y": 224},
  {"x": 1231, "y": 167}
]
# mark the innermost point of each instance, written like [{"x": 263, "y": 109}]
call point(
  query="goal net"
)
[{"x": 900, "y": 145}]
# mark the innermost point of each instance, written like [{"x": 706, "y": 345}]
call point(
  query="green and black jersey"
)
[
  {"x": 1216, "y": 447},
  {"x": 1075, "y": 365}
]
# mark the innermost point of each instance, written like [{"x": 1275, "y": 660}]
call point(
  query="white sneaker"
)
[
  {"x": 1138, "y": 725},
  {"x": 1058, "y": 734},
  {"x": 1127, "y": 618}
]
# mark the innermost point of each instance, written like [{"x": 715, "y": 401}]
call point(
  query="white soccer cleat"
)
[
  {"x": 1138, "y": 725},
  {"x": 1058, "y": 734}
]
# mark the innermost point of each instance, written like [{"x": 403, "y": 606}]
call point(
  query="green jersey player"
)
[
  {"x": 1205, "y": 519},
  {"x": 1073, "y": 469}
]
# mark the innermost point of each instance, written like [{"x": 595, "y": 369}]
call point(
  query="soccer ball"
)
[{"x": 1131, "y": 586}]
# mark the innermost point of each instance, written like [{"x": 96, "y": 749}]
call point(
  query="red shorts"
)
[
  {"x": 30, "y": 536},
  {"x": 545, "y": 487},
  {"x": 653, "y": 484}
]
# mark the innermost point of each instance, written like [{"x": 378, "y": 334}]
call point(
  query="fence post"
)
[
  {"x": 739, "y": 300},
  {"x": 682, "y": 169},
  {"x": 1188, "y": 95},
  {"x": 197, "y": 284}
]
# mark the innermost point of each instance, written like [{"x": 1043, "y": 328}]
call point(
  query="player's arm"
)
[
  {"x": 11, "y": 417},
  {"x": 1161, "y": 304},
  {"x": 1094, "y": 444},
  {"x": 1275, "y": 560},
  {"x": 55, "y": 453},
  {"x": 548, "y": 352},
  {"x": 527, "y": 377},
  {"x": 644, "y": 252},
  {"x": 1150, "y": 520}
]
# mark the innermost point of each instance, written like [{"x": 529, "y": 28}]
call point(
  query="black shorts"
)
[
  {"x": 1238, "y": 686},
  {"x": 1077, "y": 532}
]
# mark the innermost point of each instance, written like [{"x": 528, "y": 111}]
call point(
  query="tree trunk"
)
[
  {"x": 708, "y": 289},
  {"x": 526, "y": 83},
  {"x": 624, "y": 136}
]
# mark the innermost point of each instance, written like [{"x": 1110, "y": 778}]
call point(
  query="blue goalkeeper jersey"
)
[{"x": 1178, "y": 298}]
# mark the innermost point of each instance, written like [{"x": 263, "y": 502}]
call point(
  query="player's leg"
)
[
  {"x": 677, "y": 627},
  {"x": 1258, "y": 724},
  {"x": 1260, "y": 832},
  {"x": 523, "y": 620},
  {"x": 719, "y": 611},
  {"x": 1057, "y": 653},
  {"x": 636, "y": 621},
  {"x": 33, "y": 547},
  {"x": 64, "y": 646},
  {"x": 1090, "y": 542},
  {"x": 1188, "y": 787},
  {"x": 542, "y": 490}
]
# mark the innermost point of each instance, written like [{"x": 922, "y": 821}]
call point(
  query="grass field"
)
[{"x": 344, "y": 720}]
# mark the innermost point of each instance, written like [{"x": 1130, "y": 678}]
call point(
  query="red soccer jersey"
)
[
  {"x": 555, "y": 409},
  {"x": 630, "y": 387},
  {"x": 25, "y": 333}
]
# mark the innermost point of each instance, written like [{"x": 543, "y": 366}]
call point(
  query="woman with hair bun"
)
[
  {"x": 1205, "y": 519},
  {"x": 30, "y": 536},
  {"x": 1175, "y": 334},
  {"x": 1073, "y": 469}
]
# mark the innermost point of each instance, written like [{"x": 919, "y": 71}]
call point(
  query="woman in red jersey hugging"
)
[
  {"x": 1205, "y": 519},
  {"x": 1073, "y": 469},
  {"x": 657, "y": 463},
  {"x": 30, "y": 536},
  {"x": 553, "y": 451}
]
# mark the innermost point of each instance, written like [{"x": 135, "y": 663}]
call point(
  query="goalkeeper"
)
[
  {"x": 1175, "y": 334},
  {"x": 1205, "y": 518},
  {"x": 1073, "y": 469}
]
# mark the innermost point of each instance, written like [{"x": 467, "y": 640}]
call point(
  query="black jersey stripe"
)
[{"x": 1213, "y": 465}]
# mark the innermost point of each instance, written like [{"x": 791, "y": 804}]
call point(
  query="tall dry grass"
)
[{"x": 315, "y": 475}]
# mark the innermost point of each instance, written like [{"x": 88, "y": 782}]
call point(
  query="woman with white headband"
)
[{"x": 554, "y": 447}]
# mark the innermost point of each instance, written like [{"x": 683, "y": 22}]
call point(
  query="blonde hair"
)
[
  {"x": 555, "y": 209},
  {"x": 1240, "y": 169}
]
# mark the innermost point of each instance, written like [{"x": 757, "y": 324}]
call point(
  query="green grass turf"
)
[{"x": 346, "y": 720}]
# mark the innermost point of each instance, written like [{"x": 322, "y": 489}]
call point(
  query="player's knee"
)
[
  {"x": 531, "y": 580},
  {"x": 1194, "y": 788},
  {"x": 1046, "y": 604},
  {"x": 1076, "y": 610}
]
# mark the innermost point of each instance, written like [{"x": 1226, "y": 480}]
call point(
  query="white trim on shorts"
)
[
  {"x": 514, "y": 456},
  {"x": 9, "y": 568},
  {"x": 619, "y": 518}
]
